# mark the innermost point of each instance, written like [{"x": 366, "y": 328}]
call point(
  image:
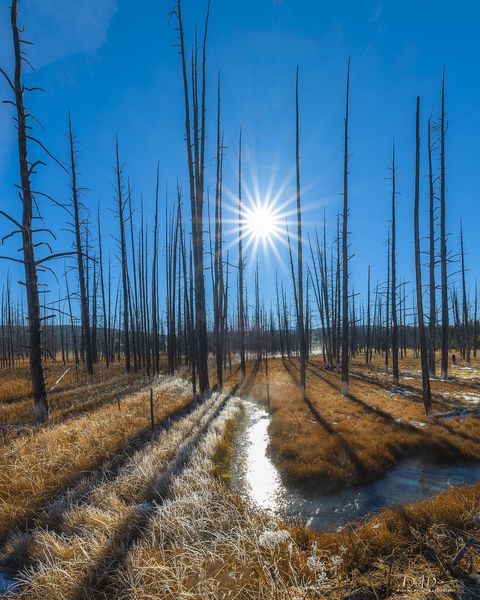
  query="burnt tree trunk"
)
[
  {"x": 427, "y": 398},
  {"x": 241, "y": 307},
  {"x": 80, "y": 258},
  {"x": 300, "y": 314},
  {"x": 345, "y": 345},
  {"x": 394, "y": 279},
  {"x": 466, "y": 330},
  {"x": 443, "y": 240},
  {"x": 432, "y": 325},
  {"x": 39, "y": 390},
  {"x": 195, "y": 141},
  {"x": 123, "y": 257}
]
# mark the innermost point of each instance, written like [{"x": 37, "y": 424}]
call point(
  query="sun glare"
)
[
  {"x": 260, "y": 219},
  {"x": 262, "y": 224}
]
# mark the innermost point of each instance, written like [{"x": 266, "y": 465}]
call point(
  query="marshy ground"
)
[{"x": 96, "y": 505}]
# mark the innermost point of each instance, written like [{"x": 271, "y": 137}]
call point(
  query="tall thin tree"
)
[
  {"x": 84, "y": 310},
  {"x": 443, "y": 239},
  {"x": 432, "y": 324},
  {"x": 345, "y": 344},
  {"x": 25, "y": 228},
  {"x": 123, "y": 255},
  {"x": 300, "y": 314},
  {"x": 241, "y": 307},
  {"x": 394, "y": 276},
  {"x": 466, "y": 326},
  {"x": 427, "y": 398}
]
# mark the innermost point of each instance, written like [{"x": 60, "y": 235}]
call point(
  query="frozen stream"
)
[
  {"x": 256, "y": 477},
  {"x": 6, "y": 584}
]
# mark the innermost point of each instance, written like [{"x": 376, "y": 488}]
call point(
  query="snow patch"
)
[
  {"x": 418, "y": 423},
  {"x": 412, "y": 422},
  {"x": 399, "y": 392},
  {"x": 472, "y": 398}
]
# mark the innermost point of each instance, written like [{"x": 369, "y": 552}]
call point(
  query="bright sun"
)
[{"x": 262, "y": 223}]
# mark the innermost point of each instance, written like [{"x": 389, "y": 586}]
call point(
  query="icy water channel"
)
[
  {"x": 7, "y": 584},
  {"x": 256, "y": 477}
]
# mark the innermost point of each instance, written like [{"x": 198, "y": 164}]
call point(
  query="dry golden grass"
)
[
  {"x": 334, "y": 441},
  {"x": 222, "y": 455},
  {"x": 83, "y": 534},
  {"x": 101, "y": 536},
  {"x": 410, "y": 367},
  {"x": 202, "y": 541},
  {"x": 35, "y": 466},
  {"x": 205, "y": 542},
  {"x": 15, "y": 383},
  {"x": 70, "y": 398}
]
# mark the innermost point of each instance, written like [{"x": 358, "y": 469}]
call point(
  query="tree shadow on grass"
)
[
  {"x": 346, "y": 446},
  {"x": 98, "y": 581},
  {"x": 368, "y": 408},
  {"x": 448, "y": 448},
  {"x": 246, "y": 387},
  {"x": 111, "y": 463}
]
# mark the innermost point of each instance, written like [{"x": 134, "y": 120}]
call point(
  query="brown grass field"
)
[
  {"x": 95, "y": 506},
  {"x": 337, "y": 441}
]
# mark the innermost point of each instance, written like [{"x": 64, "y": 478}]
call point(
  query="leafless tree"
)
[
  {"x": 466, "y": 325},
  {"x": 427, "y": 398},
  {"x": 77, "y": 224},
  {"x": 241, "y": 307},
  {"x": 443, "y": 239},
  {"x": 300, "y": 312},
  {"x": 394, "y": 277},
  {"x": 121, "y": 203},
  {"x": 345, "y": 345},
  {"x": 195, "y": 127}
]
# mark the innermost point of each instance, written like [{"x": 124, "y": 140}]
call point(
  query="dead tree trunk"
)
[
  {"x": 279, "y": 319},
  {"x": 80, "y": 258},
  {"x": 466, "y": 330},
  {"x": 475, "y": 322},
  {"x": 432, "y": 325},
  {"x": 387, "y": 305},
  {"x": 102, "y": 287},
  {"x": 394, "y": 279},
  {"x": 241, "y": 307},
  {"x": 195, "y": 141},
  {"x": 367, "y": 339},
  {"x": 218, "y": 285},
  {"x": 156, "y": 349},
  {"x": 123, "y": 257},
  {"x": 443, "y": 240},
  {"x": 427, "y": 398},
  {"x": 39, "y": 390},
  {"x": 300, "y": 314},
  {"x": 326, "y": 301},
  {"x": 345, "y": 345}
]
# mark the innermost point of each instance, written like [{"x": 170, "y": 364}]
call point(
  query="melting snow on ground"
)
[
  {"x": 472, "y": 398},
  {"x": 399, "y": 392},
  {"x": 412, "y": 422}
]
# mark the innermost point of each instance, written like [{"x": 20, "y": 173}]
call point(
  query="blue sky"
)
[{"x": 114, "y": 64}]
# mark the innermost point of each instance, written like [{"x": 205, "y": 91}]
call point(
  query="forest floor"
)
[{"x": 95, "y": 505}]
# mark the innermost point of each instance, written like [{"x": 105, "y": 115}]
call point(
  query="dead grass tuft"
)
[{"x": 36, "y": 466}]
